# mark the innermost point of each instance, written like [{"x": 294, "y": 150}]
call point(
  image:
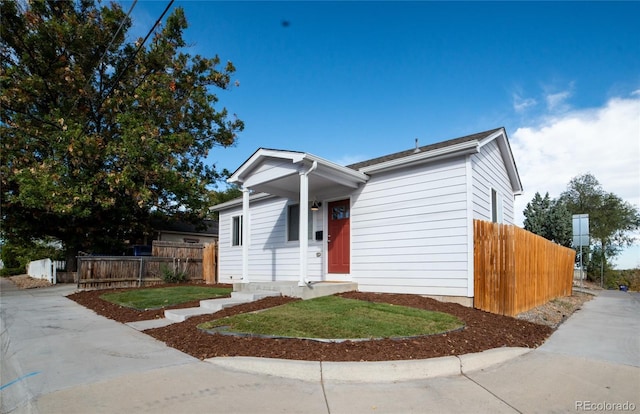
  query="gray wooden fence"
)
[{"x": 104, "y": 272}]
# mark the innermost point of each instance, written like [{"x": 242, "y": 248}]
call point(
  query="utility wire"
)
[
  {"x": 115, "y": 83},
  {"x": 115, "y": 35}
]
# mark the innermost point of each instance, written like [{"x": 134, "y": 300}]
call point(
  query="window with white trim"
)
[
  {"x": 236, "y": 231},
  {"x": 496, "y": 207},
  {"x": 293, "y": 223}
]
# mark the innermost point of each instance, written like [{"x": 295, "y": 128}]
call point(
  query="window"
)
[
  {"x": 236, "y": 231},
  {"x": 496, "y": 207},
  {"x": 340, "y": 213},
  {"x": 293, "y": 223}
]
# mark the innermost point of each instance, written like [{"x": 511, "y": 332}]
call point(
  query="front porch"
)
[
  {"x": 309, "y": 291},
  {"x": 300, "y": 178}
]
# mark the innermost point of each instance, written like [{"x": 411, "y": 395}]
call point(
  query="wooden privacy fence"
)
[
  {"x": 516, "y": 270},
  {"x": 176, "y": 249},
  {"x": 104, "y": 272},
  {"x": 210, "y": 263},
  {"x": 198, "y": 262}
]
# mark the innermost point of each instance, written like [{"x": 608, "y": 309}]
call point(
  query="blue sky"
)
[{"x": 348, "y": 81}]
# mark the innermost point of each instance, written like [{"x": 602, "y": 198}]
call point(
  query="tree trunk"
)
[{"x": 72, "y": 259}]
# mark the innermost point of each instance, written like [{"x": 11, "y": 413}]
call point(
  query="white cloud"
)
[
  {"x": 556, "y": 101},
  {"x": 521, "y": 104},
  {"x": 603, "y": 141}
]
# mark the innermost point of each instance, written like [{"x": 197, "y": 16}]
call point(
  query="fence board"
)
[
  {"x": 176, "y": 249},
  {"x": 515, "y": 270},
  {"x": 126, "y": 271},
  {"x": 210, "y": 263}
]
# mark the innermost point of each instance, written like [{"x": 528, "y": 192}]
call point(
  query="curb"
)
[{"x": 370, "y": 372}]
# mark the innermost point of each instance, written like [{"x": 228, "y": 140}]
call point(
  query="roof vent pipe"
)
[{"x": 417, "y": 148}]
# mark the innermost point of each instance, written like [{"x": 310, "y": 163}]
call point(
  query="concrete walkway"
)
[{"x": 58, "y": 357}]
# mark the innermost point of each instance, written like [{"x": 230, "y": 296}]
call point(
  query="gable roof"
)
[
  {"x": 469, "y": 144},
  {"x": 354, "y": 174},
  {"x": 438, "y": 145}
]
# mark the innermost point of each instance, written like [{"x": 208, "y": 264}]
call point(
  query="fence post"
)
[
  {"x": 79, "y": 271},
  {"x": 54, "y": 278},
  {"x": 140, "y": 271}
]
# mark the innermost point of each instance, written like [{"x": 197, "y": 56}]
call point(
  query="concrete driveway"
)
[{"x": 58, "y": 357}]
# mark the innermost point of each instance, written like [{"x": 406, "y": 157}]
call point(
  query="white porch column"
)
[
  {"x": 304, "y": 227},
  {"x": 245, "y": 235}
]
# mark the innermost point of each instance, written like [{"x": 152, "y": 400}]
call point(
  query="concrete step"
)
[
  {"x": 150, "y": 324},
  {"x": 181, "y": 315},
  {"x": 291, "y": 288},
  {"x": 214, "y": 305},
  {"x": 254, "y": 295},
  {"x": 217, "y": 304}
]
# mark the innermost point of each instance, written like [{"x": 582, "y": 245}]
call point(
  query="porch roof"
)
[{"x": 277, "y": 172}]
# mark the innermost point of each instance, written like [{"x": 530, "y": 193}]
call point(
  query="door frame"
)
[{"x": 338, "y": 277}]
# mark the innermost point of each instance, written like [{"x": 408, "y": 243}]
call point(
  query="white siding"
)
[
  {"x": 409, "y": 231},
  {"x": 271, "y": 257},
  {"x": 411, "y": 228},
  {"x": 490, "y": 172}
]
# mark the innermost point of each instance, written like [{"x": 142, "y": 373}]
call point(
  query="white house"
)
[{"x": 401, "y": 223}]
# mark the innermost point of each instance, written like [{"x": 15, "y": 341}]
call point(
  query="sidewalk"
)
[
  {"x": 607, "y": 329},
  {"x": 58, "y": 357}
]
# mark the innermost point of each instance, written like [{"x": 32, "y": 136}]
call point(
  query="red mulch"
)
[{"x": 482, "y": 331}]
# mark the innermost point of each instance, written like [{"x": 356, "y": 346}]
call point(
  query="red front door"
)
[{"x": 339, "y": 237}]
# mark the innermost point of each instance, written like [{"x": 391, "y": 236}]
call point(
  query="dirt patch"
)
[
  {"x": 556, "y": 311},
  {"x": 27, "y": 282},
  {"x": 482, "y": 331}
]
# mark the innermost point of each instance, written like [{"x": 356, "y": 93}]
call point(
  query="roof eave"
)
[
  {"x": 238, "y": 176},
  {"x": 464, "y": 148},
  {"x": 238, "y": 201},
  {"x": 507, "y": 156}
]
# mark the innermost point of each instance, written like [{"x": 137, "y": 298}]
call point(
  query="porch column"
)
[
  {"x": 245, "y": 235},
  {"x": 304, "y": 226}
]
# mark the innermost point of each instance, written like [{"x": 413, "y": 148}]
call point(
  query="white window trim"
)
[
  {"x": 498, "y": 209},
  {"x": 233, "y": 232}
]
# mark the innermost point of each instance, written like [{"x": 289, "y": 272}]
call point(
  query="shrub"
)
[
  {"x": 12, "y": 271},
  {"x": 16, "y": 255},
  {"x": 172, "y": 274},
  {"x": 630, "y": 278}
]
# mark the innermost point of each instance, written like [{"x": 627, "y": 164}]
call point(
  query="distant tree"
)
[
  {"x": 230, "y": 193},
  {"x": 612, "y": 220},
  {"x": 549, "y": 219},
  {"x": 97, "y": 133},
  {"x": 15, "y": 257}
]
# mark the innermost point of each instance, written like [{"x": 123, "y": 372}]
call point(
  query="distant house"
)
[
  {"x": 184, "y": 232},
  {"x": 401, "y": 223}
]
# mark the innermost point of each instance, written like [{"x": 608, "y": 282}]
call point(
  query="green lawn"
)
[
  {"x": 333, "y": 317},
  {"x": 155, "y": 298}
]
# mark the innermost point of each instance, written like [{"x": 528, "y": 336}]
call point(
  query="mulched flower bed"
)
[{"x": 483, "y": 331}]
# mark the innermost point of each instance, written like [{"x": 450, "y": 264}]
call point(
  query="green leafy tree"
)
[
  {"x": 97, "y": 133},
  {"x": 15, "y": 257},
  {"x": 549, "y": 219},
  {"x": 612, "y": 220},
  {"x": 230, "y": 193}
]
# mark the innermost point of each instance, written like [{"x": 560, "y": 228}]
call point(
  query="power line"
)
[
  {"x": 115, "y": 35},
  {"x": 119, "y": 76}
]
